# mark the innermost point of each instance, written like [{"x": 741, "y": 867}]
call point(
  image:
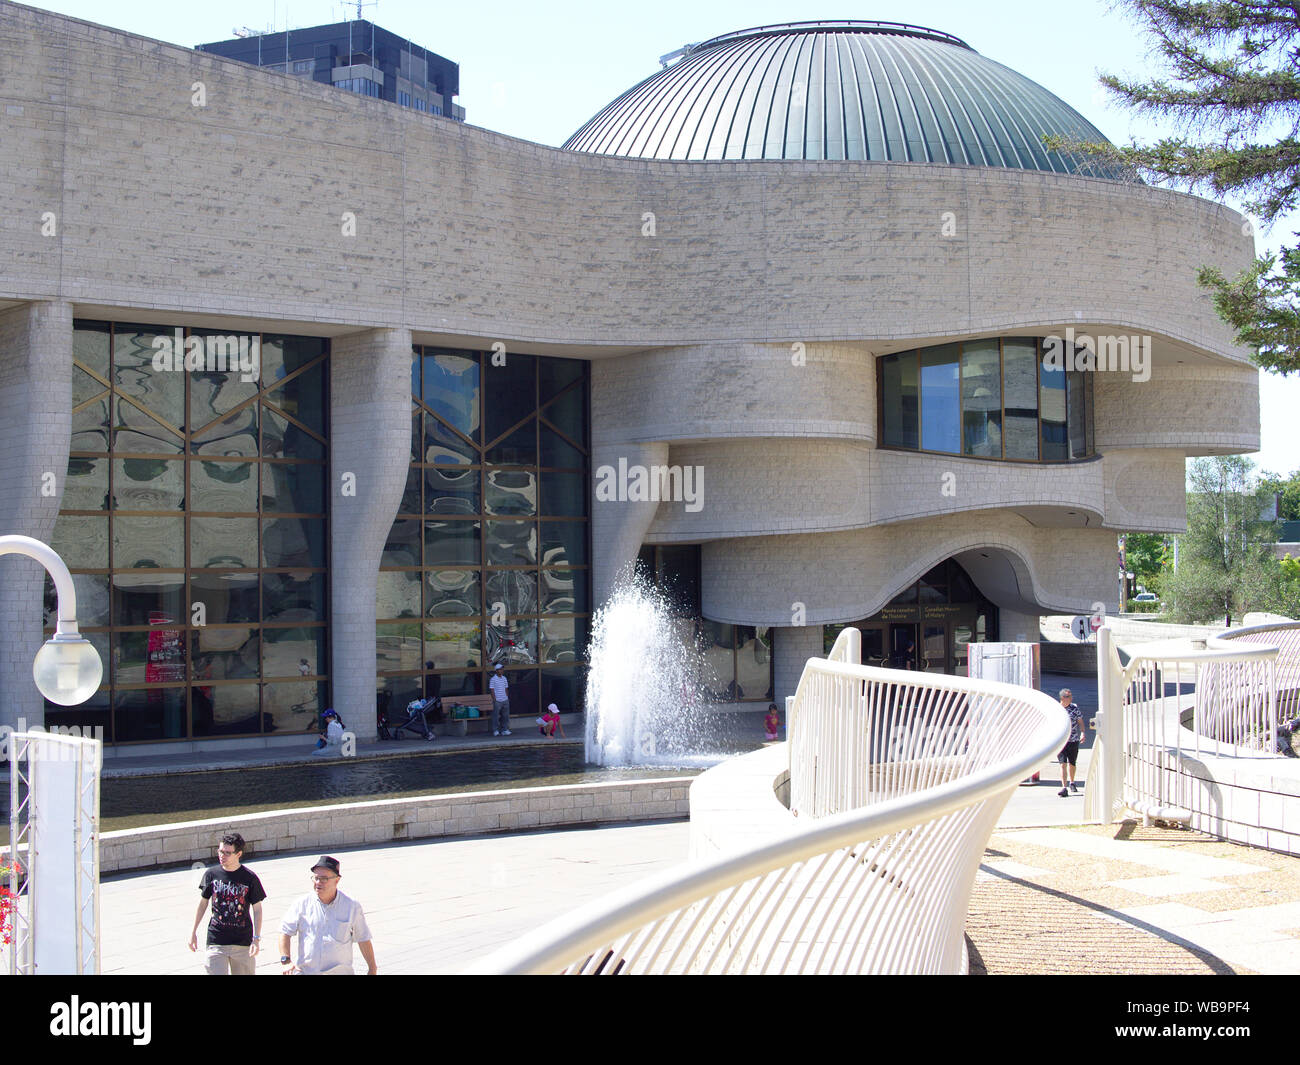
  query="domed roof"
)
[{"x": 841, "y": 90}]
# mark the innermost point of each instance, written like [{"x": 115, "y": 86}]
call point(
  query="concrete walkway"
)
[{"x": 1053, "y": 896}]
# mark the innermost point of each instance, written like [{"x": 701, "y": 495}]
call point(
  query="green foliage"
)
[
  {"x": 1288, "y": 489},
  {"x": 1146, "y": 555},
  {"x": 1233, "y": 90},
  {"x": 1225, "y": 563}
]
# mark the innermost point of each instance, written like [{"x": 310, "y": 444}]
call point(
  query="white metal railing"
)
[
  {"x": 1228, "y": 689},
  {"x": 878, "y": 887},
  {"x": 52, "y": 861},
  {"x": 1285, "y": 636}
]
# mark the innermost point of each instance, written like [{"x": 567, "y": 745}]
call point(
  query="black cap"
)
[{"x": 326, "y": 862}]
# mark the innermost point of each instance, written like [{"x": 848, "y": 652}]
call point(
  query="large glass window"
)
[
  {"x": 194, "y": 520},
  {"x": 994, "y": 398},
  {"x": 490, "y": 543}
]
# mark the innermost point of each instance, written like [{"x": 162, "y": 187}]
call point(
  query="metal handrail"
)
[
  {"x": 881, "y": 888},
  {"x": 1231, "y": 691}
]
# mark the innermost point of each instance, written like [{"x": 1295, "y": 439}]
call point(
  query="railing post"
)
[{"x": 1106, "y": 771}]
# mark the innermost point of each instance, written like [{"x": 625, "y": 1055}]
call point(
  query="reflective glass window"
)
[
  {"x": 940, "y": 399},
  {"x": 1020, "y": 397},
  {"x": 981, "y": 399}
]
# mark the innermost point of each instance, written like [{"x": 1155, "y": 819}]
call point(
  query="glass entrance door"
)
[{"x": 902, "y": 646}]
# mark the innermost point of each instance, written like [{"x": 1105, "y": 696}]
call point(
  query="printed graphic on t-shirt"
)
[{"x": 228, "y": 904}]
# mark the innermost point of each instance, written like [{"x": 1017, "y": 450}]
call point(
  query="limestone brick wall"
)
[
  {"x": 849, "y": 575},
  {"x": 370, "y": 440},
  {"x": 792, "y": 646},
  {"x": 1146, "y": 490},
  {"x": 780, "y": 486},
  {"x": 243, "y": 206},
  {"x": 737, "y": 390},
  {"x": 35, "y": 433},
  {"x": 324, "y": 828},
  {"x": 618, "y": 529},
  {"x": 1198, "y": 407}
]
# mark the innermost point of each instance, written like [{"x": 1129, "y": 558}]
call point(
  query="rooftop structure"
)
[
  {"x": 841, "y": 90},
  {"x": 357, "y": 56}
]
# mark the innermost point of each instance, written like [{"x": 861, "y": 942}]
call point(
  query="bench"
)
[{"x": 454, "y": 726}]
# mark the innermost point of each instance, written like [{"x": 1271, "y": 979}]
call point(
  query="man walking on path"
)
[
  {"x": 500, "y": 702},
  {"x": 236, "y": 925},
  {"x": 327, "y": 923},
  {"x": 1070, "y": 752}
]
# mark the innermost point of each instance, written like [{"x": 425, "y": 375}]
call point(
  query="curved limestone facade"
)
[{"x": 733, "y": 312}]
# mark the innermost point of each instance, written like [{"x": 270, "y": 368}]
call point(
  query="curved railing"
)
[
  {"x": 880, "y": 888},
  {"x": 1238, "y": 721},
  {"x": 1230, "y": 689}
]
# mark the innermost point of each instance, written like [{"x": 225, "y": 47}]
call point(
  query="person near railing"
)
[{"x": 1069, "y": 754}]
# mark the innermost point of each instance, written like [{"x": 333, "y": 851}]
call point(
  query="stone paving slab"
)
[{"x": 1046, "y": 901}]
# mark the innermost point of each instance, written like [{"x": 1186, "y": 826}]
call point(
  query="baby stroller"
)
[{"x": 415, "y": 719}]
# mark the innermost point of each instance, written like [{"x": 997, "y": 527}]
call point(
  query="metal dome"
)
[{"x": 841, "y": 90}]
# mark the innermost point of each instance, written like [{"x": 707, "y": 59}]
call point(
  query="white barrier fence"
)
[
  {"x": 909, "y": 773},
  {"x": 52, "y": 861},
  {"x": 1285, "y": 636},
  {"x": 1230, "y": 690}
]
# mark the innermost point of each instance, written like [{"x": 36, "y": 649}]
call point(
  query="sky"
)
[{"x": 539, "y": 71}]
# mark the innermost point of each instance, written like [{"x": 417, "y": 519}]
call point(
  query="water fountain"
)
[{"x": 646, "y": 684}]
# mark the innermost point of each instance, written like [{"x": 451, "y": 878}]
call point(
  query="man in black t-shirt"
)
[{"x": 235, "y": 929}]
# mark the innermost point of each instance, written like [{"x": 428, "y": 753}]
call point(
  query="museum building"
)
[{"x": 320, "y": 396}]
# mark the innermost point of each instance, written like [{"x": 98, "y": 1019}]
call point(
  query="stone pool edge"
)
[{"x": 380, "y": 821}]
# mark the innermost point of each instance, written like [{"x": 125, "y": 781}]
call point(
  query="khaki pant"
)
[{"x": 230, "y": 961}]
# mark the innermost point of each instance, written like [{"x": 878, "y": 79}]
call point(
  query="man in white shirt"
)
[
  {"x": 500, "y": 702},
  {"x": 327, "y": 923}
]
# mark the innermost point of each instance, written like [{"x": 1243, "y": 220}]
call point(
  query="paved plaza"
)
[{"x": 1126, "y": 899}]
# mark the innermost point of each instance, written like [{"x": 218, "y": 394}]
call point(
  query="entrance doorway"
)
[{"x": 927, "y": 625}]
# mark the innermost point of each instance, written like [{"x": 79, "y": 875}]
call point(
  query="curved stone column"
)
[
  {"x": 35, "y": 434},
  {"x": 618, "y": 527},
  {"x": 370, "y": 442}
]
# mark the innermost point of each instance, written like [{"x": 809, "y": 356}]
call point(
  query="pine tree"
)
[{"x": 1233, "y": 91}]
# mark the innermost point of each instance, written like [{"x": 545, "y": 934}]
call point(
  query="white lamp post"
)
[{"x": 67, "y": 669}]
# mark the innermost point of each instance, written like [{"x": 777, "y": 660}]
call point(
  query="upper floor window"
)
[{"x": 994, "y": 398}]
